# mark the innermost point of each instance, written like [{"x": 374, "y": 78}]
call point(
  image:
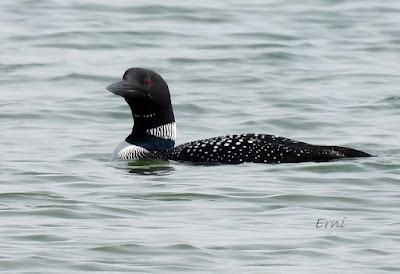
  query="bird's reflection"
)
[{"x": 150, "y": 167}]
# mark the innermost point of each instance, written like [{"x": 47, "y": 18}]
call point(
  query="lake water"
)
[{"x": 323, "y": 71}]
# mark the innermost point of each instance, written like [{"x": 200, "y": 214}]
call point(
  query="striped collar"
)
[{"x": 167, "y": 131}]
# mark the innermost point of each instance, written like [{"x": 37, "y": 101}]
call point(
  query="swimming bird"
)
[{"x": 154, "y": 132}]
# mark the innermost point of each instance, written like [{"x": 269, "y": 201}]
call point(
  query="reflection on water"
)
[{"x": 150, "y": 167}]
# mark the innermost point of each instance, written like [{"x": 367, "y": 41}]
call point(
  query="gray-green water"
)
[{"x": 325, "y": 72}]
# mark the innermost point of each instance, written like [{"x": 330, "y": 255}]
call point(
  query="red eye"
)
[{"x": 148, "y": 82}]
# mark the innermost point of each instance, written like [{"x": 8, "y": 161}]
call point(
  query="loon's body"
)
[{"x": 154, "y": 133}]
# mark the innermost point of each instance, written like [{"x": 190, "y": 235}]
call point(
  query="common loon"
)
[{"x": 154, "y": 132}]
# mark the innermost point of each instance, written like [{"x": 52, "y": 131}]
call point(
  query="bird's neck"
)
[{"x": 153, "y": 130}]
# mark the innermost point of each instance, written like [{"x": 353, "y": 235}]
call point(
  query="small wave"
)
[
  {"x": 265, "y": 35},
  {"x": 21, "y": 66},
  {"x": 81, "y": 76}
]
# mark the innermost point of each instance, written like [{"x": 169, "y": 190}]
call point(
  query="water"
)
[{"x": 325, "y": 72}]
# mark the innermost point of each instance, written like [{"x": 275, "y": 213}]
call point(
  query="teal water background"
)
[{"x": 323, "y": 71}]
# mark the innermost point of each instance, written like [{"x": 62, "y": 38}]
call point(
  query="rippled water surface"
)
[{"x": 323, "y": 71}]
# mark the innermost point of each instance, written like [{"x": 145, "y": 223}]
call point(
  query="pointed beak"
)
[
  {"x": 132, "y": 90},
  {"x": 122, "y": 88}
]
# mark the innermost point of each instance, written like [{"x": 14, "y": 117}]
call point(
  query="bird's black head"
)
[
  {"x": 141, "y": 84},
  {"x": 148, "y": 96}
]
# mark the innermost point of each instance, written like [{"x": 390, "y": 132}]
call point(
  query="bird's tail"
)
[{"x": 346, "y": 152}]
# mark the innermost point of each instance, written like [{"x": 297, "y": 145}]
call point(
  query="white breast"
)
[{"x": 127, "y": 151}]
